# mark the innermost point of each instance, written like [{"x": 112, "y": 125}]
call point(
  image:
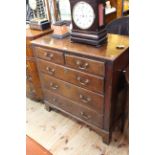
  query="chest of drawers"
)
[
  {"x": 33, "y": 87},
  {"x": 82, "y": 81}
]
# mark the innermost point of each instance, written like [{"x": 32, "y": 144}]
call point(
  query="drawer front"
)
[
  {"x": 84, "y": 64},
  {"x": 80, "y": 95},
  {"x": 73, "y": 108},
  {"x": 50, "y": 55},
  {"x": 88, "y": 81}
]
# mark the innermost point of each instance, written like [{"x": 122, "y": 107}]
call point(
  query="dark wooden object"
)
[
  {"x": 95, "y": 34},
  {"x": 100, "y": 104},
  {"x": 33, "y": 87},
  {"x": 33, "y": 148},
  {"x": 110, "y": 17}
]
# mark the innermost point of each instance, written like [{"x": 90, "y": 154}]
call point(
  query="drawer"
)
[
  {"x": 85, "y": 80},
  {"x": 50, "y": 55},
  {"x": 73, "y": 108},
  {"x": 80, "y": 95},
  {"x": 86, "y": 65}
]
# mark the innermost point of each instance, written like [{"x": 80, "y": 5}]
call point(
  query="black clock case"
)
[{"x": 95, "y": 35}]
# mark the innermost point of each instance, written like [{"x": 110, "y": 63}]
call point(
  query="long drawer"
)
[
  {"x": 49, "y": 55},
  {"x": 86, "y": 65},
  {"x": 85, "y": 80},
  {"x": 73, "y": 108},
  {"x": 80, "y": 95}
]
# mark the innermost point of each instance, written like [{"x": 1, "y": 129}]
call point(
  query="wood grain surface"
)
[
  {"x": 101, "y": 92},
  {"x": 82, "y": 79},
  {"x": 33, "y": 88},
  {"x": 107, "y": 52}
]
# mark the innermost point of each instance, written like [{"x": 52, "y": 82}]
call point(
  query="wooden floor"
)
[{"x": 64, "y": 136}]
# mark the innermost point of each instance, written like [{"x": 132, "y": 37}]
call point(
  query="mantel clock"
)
[{"x": 88, "y": 22}]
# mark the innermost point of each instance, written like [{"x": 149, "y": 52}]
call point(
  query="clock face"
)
[
  {"x": 83, "y": 15},
  {"x": 33, "y": 4}
]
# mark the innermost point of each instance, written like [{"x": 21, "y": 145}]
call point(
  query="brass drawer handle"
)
[
  {"x": 82, "y": 81},
  {"x": 50, "y": 70},
  {"x": 53, "y": 86},
  {"x": 82, "y": 66},
  {"x": 48, "y": 55},
  {"x": 85, "y": 99},
  {"x": 85, "y": 116}
]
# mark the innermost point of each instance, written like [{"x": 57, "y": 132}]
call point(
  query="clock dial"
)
[
  {"x": 83, "y": 15},
  {"x": 33, "y": 4}
]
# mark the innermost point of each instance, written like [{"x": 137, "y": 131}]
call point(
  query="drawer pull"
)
[
  {"x": 85, "y": 116},
  {"x": 53, "y": 86},
  {"x": 50, "y": 70},
  {"x": 81, "y": 65},
  {"x": 48, "y": 55},
  {"x": 85, "y": 99},
  {"x": 82, "y": 81}
]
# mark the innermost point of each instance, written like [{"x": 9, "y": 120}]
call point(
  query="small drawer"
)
[
  {"x": 81, "y": 112},
  {"x": 85, "y": 80},
  {"x": 50, "y": 55},
  {"x": 80, "y": 95},
  {"x": 86, "y": 65}
]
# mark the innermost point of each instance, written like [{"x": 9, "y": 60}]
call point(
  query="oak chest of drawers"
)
[
  {"x": 33, "y": 87},
  {"x": 82, "y": 81}
]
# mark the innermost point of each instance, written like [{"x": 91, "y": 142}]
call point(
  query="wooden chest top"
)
[
  {"x": 106, "y": 52},
  {"x": 33, "y": 34}
]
